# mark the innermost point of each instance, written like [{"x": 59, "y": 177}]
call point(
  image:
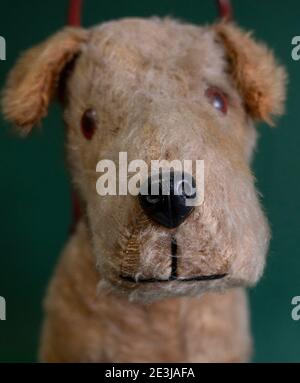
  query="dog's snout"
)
[{"x": 164, "y": 197}]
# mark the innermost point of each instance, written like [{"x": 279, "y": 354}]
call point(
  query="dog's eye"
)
[
  {"x": 89, "y": 123},
  {"x": 217, "y": 99}
]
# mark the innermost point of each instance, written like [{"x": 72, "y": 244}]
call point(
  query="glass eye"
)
[
  {"x": 217, "y": 99},
  {"x": 89, "y": 123}
]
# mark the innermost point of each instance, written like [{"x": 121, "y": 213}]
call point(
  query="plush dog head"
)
[{"x": 160, "y": 90}]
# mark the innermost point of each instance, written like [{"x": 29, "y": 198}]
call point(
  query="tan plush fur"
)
[
  {"x": 258, "y": 78},
  {"x": 83, "y": 326},
  {"x": 33, "y": 81},
  {"x": 146, "y": 80}
]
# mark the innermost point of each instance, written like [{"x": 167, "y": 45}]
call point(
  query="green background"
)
[{"x": 35, "y": 205}]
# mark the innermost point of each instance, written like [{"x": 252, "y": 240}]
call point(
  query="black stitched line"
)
[
  {"x": 189, "y": 279},
  {"x": 173, "y": 258}
]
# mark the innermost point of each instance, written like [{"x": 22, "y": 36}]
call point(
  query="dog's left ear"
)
[
  {"x": 32, "y": 83},
  {"x": 258, "y": 78}
]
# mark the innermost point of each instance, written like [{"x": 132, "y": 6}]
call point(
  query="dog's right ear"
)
[
  {"x": 257, "y": 76},
  {"x": 32, "y": 83}
]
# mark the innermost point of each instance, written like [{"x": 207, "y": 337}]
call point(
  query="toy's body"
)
[
  {"x": 84, "y": 326},
  {"x": 140, "y": 284}
]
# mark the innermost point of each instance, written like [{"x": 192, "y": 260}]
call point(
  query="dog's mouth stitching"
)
[
  {"x": 171, "y": 278},
  {"x": 174, "y": 276}
]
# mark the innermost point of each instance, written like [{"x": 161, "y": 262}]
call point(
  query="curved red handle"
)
[
  {"x": 225, "y": 10},
  {"x": 74, "y": 13},
  {"x": 75, "y": 9}
]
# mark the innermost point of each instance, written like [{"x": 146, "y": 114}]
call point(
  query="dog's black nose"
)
[{"x": 167, "y": 197}]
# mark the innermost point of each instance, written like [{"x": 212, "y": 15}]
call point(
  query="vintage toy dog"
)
[{"x": 129, "y": 288}]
